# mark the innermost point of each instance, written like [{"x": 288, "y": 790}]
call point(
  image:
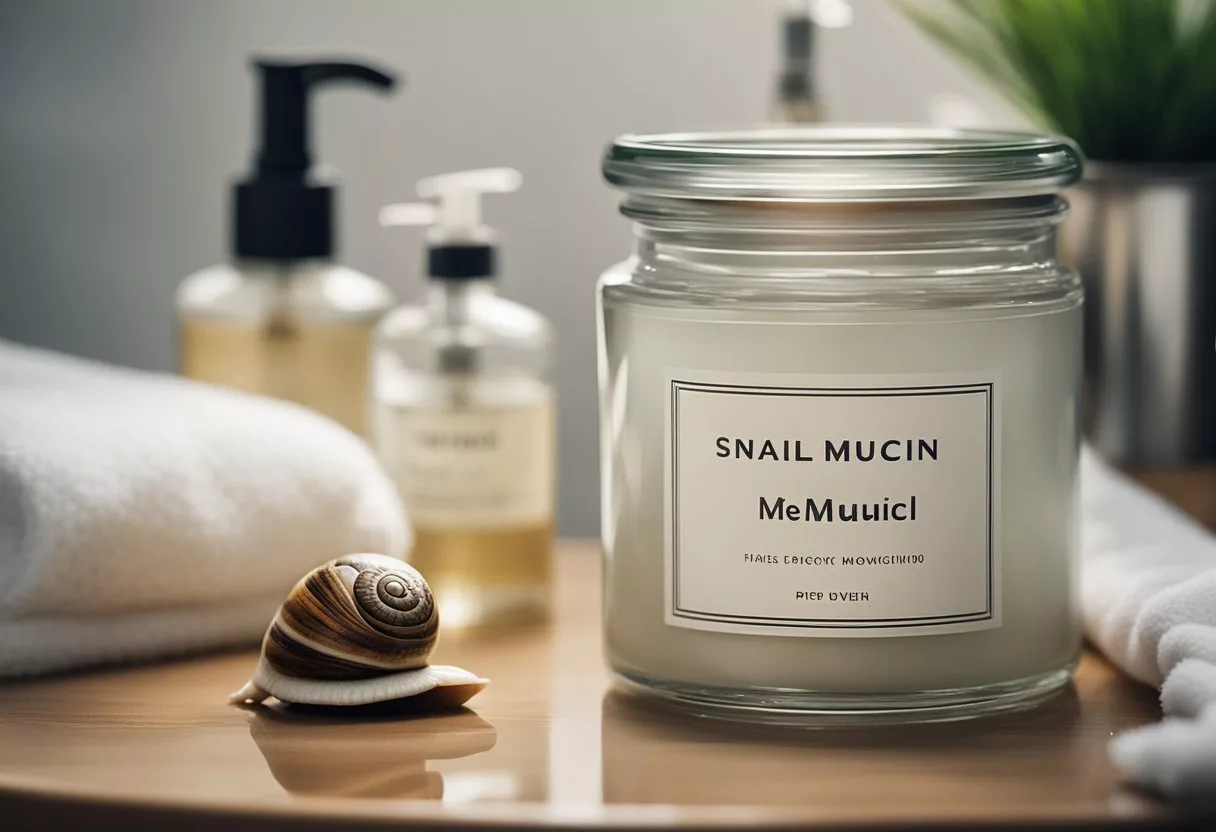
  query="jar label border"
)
[{"x": 677, "y": 616}]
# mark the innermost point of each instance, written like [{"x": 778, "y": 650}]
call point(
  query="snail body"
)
[{"x": 356, "y": 631}]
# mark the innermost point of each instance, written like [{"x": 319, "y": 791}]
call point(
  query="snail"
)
[{"x": 356, "y": 631}]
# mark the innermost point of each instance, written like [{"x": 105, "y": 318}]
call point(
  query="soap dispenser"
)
[
  {"x": 284, "y": 319},
  {"x": 797, "y": 98},
  {"x": 464, "y": 414}
]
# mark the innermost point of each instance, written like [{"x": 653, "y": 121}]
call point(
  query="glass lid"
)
[{"x": 842, "y": 164}]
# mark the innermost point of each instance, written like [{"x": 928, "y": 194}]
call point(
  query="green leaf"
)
[{"x": 1129, "y": 80}]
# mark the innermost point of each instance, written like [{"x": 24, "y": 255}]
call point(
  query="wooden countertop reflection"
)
[{"x": 548, "y": 744}]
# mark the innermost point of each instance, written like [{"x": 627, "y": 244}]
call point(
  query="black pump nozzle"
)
[
  {"x": 280, "y": 213},
  {"x": 285, "y": 90}
]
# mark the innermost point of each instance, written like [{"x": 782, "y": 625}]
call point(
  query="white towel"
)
[
  {"x": 143, "y": 516},
  {"x": 1149, "y": 584}
]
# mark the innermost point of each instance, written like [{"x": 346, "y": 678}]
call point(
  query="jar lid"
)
[{"x": 842, "y": 164}]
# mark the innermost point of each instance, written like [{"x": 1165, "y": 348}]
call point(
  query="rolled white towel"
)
[
  {"x": 1149, "y": 588},
  {"x": 143, "y": 515}
]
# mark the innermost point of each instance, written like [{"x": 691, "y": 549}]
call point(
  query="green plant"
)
[{"x": 1128, "y": 80}]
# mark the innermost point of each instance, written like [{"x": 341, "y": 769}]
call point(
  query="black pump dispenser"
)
[{"x": 282, "y": 212}]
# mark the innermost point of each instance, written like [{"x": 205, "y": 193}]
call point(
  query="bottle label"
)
[
  {"x": 466, "y": 469},
  {"x": 832, "y": 506}
]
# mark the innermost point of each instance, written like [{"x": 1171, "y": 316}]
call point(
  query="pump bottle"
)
[
  {"x": 283, "y": 318},
  {"x": 464, "y": 415},
  {"x": 797, "y": 98}
]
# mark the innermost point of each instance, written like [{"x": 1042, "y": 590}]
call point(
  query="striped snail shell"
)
[
  {"x": 354, "y": 631},
  {"x": 355, "y": 617}
]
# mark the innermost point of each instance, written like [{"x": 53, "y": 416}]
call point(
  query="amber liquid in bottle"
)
[
  {"x": 477, "y": 481},
  {"x": 481, "y": 574},
  {"x": 321, "y": 366},
  {"x": 296, "y": 331}
]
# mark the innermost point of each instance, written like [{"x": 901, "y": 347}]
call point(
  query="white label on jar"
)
[
  {"x": 832, "y": 506},
  {"x": 473, "y": 468}
]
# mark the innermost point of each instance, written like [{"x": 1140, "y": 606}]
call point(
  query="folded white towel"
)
[
  {"x": 144, "y": 515},
  {"x": 1149, "y": 584}
]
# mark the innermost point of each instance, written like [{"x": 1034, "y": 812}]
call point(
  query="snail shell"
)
[{"x": 354, "y": 631}]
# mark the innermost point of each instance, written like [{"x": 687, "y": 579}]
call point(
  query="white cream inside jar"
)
[{"x": 839, "y": 393}]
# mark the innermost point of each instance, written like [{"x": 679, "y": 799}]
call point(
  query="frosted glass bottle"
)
[
  {"x": 296, "y": 331},
  {"x": 464, "y": 422}
]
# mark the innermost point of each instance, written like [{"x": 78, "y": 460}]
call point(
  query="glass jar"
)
[{"x": 839, "y": 384}]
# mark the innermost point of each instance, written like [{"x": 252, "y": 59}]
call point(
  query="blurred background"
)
[{"x": 126, "y": 120}]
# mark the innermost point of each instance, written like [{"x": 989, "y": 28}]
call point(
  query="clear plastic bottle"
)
[
  {"x": 283, "y": 318},
  {"x": 464, "y": 417}
]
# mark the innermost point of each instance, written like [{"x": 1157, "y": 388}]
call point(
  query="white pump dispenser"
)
[
  {"x": 464, "y": 413},
  {"x": 453, "y": 209}
]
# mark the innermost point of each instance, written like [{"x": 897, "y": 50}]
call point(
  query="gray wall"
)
[{"x": 122, "y": 121}]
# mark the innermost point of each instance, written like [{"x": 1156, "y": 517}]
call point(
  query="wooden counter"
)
[{"x": 549, "y": 743}]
